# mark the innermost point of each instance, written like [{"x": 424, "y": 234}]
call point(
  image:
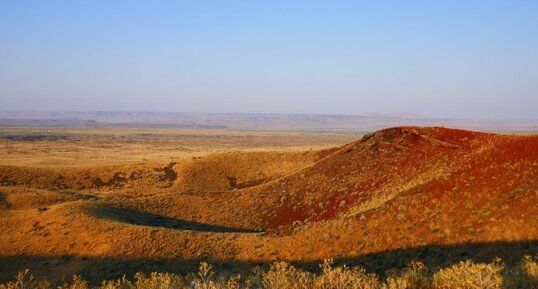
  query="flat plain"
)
[{"x": 49, "y": 146}]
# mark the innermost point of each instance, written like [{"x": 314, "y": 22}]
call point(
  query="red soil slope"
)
[{"x": 437, "y": 163}]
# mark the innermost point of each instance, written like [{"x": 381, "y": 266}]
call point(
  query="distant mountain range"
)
[{"x": 252, "y": 121}]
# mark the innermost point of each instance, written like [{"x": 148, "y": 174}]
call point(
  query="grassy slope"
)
[{"x": 417, "y": 191}]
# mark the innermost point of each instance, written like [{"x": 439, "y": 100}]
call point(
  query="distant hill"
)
[
  {"x": 253, "y": 121},
  {"x": 49, "y": 122}
]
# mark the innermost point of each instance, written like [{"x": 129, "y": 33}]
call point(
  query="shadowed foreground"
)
[
  {"x": 463, "y": 275},
  {"x": 433, "y": 258}
]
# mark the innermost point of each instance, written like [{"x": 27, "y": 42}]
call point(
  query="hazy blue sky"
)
[{"x": 439, "y": 58}]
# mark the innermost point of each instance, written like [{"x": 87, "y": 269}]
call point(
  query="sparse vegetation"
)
[
  {"x": 470, "y": 275},
  {"x": 379, "y": 203},
  {"x": 530, "y": 270},
  {"x": 281, "y": 275}
]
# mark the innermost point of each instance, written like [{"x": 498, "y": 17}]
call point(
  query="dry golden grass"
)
[
  {"x": 470, "y": 275},
  {"x": 281, "y": 275},
  {"x": 61, "y": 147},
  {"x": 414, "y": 276},
  {"x": 530, "y": 268}
]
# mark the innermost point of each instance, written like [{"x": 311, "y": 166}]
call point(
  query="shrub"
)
[
  {"x": 121, "y": 283},
  {"x": 254, "y": 279},
  {"x": 283, "y": 275},
  {"x": 470, "y": 275},
  {"x": 530, "y": 266},
  {"x": 415, "y": 276},
  {"x": 158, "y": 281},
  {"x": 205, "y": 279},
  {"x": 343, "y": 277},
  {"x": 25, "y": 280},
  {"x": 77, "y": 283}
]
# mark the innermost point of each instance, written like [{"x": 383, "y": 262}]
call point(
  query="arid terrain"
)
[
  {"x": 76, "y": 147},
  {"x": 103, "y": 202}
]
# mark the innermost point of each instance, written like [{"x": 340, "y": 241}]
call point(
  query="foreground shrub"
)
[
  {"x": 470, "y": 275},
  {"x": 25, "y": 280},
  {"x": 281, "y": 275},
  {"x": 530, "y": 266},
  {"x": 158, "y": 281},
  {"x": 205, "y": 279},
  {"x": 343, "y": 277},
  {"x": 122, "y": 283},
  {"x": 415, "y": 276},
  {"x": 77, "y": 283}
]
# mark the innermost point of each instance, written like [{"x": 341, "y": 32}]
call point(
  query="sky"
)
[{"x": 465, "y": 59}]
